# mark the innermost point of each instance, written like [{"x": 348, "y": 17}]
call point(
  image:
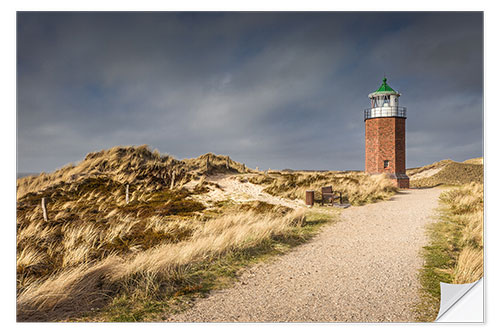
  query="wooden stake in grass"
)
[
  {"x": 227, "y": 162},
  {"x": 44, "y": 210},
  {"x": 208, "y": 162},
  {"x": 173, "y": 180},
  {"x": 126, "y": 195}
]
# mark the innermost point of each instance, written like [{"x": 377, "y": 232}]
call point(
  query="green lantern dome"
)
[{"x": 384, "y": 89}]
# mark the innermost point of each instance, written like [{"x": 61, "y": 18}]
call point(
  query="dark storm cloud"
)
[{"x": 279, "y": 90}]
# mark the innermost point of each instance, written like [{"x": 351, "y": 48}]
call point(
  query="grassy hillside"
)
[
  {"x": 137, "y": 166},
  {"x": 447, "y": 172},
  {"x": 478, "y": 160},
  {"x": 89, "y": 221},
  {"x": 98, "y": 257}
]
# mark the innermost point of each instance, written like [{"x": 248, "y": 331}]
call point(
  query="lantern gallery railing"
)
[{"x": 385, "y": 111}]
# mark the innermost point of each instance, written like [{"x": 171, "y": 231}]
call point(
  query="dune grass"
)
[
  {"x": 448, "y": 173},
  {"x": 88, "y": 225},
  {"x": 123, "y": 288},
  {"x": 455, "y": 250},
  {"x": 357, "y": 187},
  {"x": 477, "y": 160},
  {"x": 100, "y": 258},
  {"x": 138, "y": 166}
]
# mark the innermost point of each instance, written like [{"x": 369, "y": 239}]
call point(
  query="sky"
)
[{"x": 271, "y": 89}]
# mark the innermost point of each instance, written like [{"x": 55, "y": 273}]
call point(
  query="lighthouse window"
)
[{"x": 386, "y": 163}]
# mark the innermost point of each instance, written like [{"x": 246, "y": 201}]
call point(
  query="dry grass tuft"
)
[
  {"x": 464, "y": 208},
  {"x": 70, "y": 292},
  {"x": 469, "y": 266}
]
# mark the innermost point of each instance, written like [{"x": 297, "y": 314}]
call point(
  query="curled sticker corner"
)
[{"x": 451, "y": 294}]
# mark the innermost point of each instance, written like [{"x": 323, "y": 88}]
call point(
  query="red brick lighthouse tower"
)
[{"x": 385, "y": 146}]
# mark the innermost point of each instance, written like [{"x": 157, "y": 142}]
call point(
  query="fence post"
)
[
  {"x": 227, "y": 162},
  {"x": 126, "y": 195},
  {"x": 44, "y": 210},
  {"x": 208, "y": 162},
  {"x": 173, "y": 180}
]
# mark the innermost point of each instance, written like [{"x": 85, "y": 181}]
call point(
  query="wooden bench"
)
[{"x": 329, "y": 195}]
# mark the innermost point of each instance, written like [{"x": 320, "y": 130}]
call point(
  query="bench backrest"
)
[{"x": 327, "y": 189}]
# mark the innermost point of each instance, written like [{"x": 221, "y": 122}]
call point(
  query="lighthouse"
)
[{"x": 385, "y": 142}]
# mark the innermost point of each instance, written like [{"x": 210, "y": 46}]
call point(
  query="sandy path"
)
[
  {"x": 362, "y": 269},
  {"x": 426, "y": 173},
  {"x": 230, "y": 187}
]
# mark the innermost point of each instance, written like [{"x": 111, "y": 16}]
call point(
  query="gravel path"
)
[{"x": 362, "y": 269}]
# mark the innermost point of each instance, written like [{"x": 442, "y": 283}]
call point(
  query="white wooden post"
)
[
  {"x": 44, "y": 210},
  {"x": 126, "y": 194},
  {"x": 173, "y": 180}
]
